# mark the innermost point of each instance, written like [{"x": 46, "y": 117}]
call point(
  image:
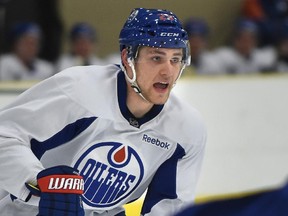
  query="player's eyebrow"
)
[{"x": 157, "y": 51}]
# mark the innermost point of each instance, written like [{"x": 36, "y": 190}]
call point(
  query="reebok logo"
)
[{"x": 156, "y": 142}]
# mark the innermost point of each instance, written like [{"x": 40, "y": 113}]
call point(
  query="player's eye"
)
[
  {"x": 156, "y": 58},
  {"x": 176, "y": 60}
]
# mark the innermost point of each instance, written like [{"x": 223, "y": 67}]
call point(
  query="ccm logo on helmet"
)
[{"x": 169, "y": 34}]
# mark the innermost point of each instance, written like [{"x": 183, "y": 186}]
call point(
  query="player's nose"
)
[{"x": 167, "y": 69}]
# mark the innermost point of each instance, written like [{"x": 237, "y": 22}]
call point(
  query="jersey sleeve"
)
[
  {"x": 37, "y": 114},
  {"x": 173, "y": 185}
]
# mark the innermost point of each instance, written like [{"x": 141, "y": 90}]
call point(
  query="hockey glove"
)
[{"x": 59, "y": 189}]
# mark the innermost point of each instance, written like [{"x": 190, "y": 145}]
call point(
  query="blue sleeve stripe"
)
[
  {"x": 68, "y": 133},
  {"x": 163, "y": 184}
]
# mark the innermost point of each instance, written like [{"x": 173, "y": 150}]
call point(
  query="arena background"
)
[
  {"x": 246, "y": 116},
  {"x": 247, "y": 123},
  {"x": 109, "y": 16}
]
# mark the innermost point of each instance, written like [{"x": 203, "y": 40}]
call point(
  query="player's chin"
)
[
  {"x": 158, "y": 96},
  {"x": 161, "y": 99}
]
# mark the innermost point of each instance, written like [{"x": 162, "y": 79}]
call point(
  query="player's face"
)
[
  {"x": 157, "y": 70},
  {"x": 82, "y": 47},
  {"x": 27, "y": 47}
]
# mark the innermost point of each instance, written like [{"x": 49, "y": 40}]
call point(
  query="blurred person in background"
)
[
  {"x": 23, "y": 62},
  {"x": 281, "y": 63},
  {"x": 243, "y": 56},
  {"x": 45, "y": 13},
  {"x": 113, "y": 58},
  {"x": 268, "y": 15},
  {"x": 202, "y": 59},
  {"x": 82, "y": 48}
]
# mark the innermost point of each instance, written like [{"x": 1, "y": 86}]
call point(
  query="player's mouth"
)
[{"x": 161, "y": 86}]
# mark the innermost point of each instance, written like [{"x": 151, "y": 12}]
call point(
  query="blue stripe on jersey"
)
[
  {"x": 68, "y": 133},
  {"x": 122, "y": 94},
  {"x": 163, "y": 184}
]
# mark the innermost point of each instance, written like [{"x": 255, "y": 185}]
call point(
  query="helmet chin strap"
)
[
  {"x": 179, "y": 75},
  {"x": 132, "y": 80}
]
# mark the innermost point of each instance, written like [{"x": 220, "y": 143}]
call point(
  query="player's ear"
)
[{"x": 124, "y": 58}]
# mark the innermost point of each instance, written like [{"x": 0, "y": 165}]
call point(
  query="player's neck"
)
[{"x": 136, "y": 104}]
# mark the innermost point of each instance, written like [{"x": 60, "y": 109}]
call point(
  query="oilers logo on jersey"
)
[{"x": 111, "y": 172}]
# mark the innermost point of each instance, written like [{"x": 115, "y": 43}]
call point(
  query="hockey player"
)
[
  {"x": 107, "y": 132},
  {"x": 23, "y": 61},
  {"x": 83, "y": 45}
]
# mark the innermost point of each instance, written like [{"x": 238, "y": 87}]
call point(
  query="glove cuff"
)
[{"x": 64, "y": 183}]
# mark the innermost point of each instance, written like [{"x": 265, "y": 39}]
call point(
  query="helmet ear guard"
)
[
  {"x": 130, "y": 62},
  {"x": 187, "y": 55},
  {"x": 129, "y": 55}
]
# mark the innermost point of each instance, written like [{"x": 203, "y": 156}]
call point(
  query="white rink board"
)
[{"x": 247, "y": 121}]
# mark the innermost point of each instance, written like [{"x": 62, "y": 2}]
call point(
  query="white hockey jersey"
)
[{"x": 79, "y": 118}]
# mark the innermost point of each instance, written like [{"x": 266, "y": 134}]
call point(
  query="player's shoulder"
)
[
  {"x": 88, "y": 74},
  {"x": 184, "y": 117},
  {"x": 87, "y": 78},
  {"x": 182, "y": 108},
  {"x": 89, "y": 85}
]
